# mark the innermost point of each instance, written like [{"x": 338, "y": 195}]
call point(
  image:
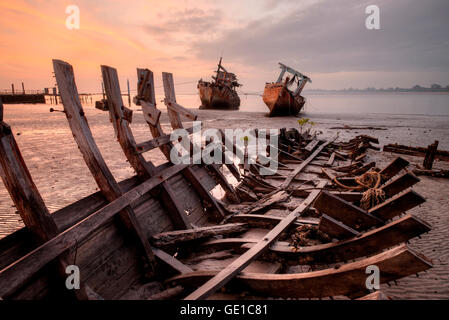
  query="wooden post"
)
[
  {"x": 102, "y": 90},
  {"x": 1, "y": 110},
  {"x": 12, "y": 88},
  {"x": 27, "y": 199},
  {"x": 23, "y": 88},
  {"x": 92, "y": 156},
  {"x": 129, "y": 94},
  {"x": 430, "y": 155},
  {"x": 144, "y": 169}
]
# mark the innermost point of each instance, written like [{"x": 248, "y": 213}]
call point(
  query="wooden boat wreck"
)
[
  {"x": 221, "y": 93},
  {"x": 300, "y": 233},
  {"x": 283, "y": 97}
]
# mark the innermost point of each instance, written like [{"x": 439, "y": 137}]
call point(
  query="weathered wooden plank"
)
[
  {"x": 312, "y": 145},
  {"x": 298, "y": 169},
  {"x": 376, "y": 295},
  {"x": 346, "y": 212},
  {"x": 368, "y": 243},
  {"x": 23, "y": 269},
  {"x": 273, "y": 197},
  {"x": 175, "y": 120},
  {"x": 266, "y": 221},
  {"x": 171, "y": 261},
  {"x": 91, "y": 154},
  {"x": 402, "y": 182},
  {"x": 175, "y": 107},
  {"x": 331, "y": 160},
  {"x": 348, "y": 195},
  {"x": 156, "y": 142},
  {"x": 150, "y": 113},
  {"x": 28, "y": 201},
  {"x": 396, "y": 205},
  {"x": 244, "y": 260},
  {"x": 179, "y": 236},
  {"x": 394, "y": 168},
  {"x": 216, "y": 213},
  {"x": 126, "y": 139},
  {"x": 395, "y": 263},
  {"x": 335, "y": 228},
  {"x": 415, "y": 151}
]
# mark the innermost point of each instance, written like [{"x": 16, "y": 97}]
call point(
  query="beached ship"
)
[
  {"x": 162, "y": 234},
  {"x": 283, "y": 97},
  {"x": 221, "y": 93}
]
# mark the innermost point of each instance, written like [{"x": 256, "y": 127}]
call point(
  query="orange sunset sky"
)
[{"x": 326, "y": 40}]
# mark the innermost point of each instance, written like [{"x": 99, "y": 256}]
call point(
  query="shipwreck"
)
[
  {"x": 283, "y": 97},
  {"x": 221, "y": 93},
  {"x": 309, "y": 230}
]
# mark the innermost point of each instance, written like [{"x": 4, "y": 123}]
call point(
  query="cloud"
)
[
  {"x": 330, "y": 36},
  {"x": 190, "y": 22}
]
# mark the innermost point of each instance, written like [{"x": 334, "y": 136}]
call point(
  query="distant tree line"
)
[{"x": 433, "y": 88}]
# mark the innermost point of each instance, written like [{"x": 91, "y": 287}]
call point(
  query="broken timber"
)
[{"x": 244, "y": 260}]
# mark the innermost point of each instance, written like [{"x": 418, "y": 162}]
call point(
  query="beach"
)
[{"x": 62, "y": 177}]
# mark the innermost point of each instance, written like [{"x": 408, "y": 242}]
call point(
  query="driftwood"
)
[
  {"x": 395, "y": 263},
  {"x": 244, "y": 260},
  {"x": 179, "y": 236},
  {"x": 432, "y": 173},
  {"x": 415, "y": 151}
]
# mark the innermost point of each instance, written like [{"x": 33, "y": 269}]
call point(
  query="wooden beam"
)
[
  {"x": 312, "y": 145},
  {"x": 23, "y": 269},
  {"x": 396, "y": 205},
  {"x": 244, "y": 260},
  {"x": 266, "y": 221},
  {"x": 345, "y": 279},
  {"x": 91, "y": 154},
  {"x": 394, "y": 168},
  {"x": 144, "y": 169},
  {"x": 171, "y": 261},
  {"x": 335, "y": 228},
  {"x": 156, "y": 142},
  {"x": 298, "y": 169},
  {"x": 180, "y": 236},
  {"x": 150, "y": 113},
  {"x": 175, "y": 120},
  {"x": 180, "y": 110},
  {"x": 1, "y": 110},
  {"x": 28, "y": 201},
  {"x": 331, "y": 160},
  {"x": 346, "y": 212},
  {"x": 402, "y": 182}
]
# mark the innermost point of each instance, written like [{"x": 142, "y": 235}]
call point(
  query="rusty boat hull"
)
[
  {"x": 281, "y": 102},
  {"x": 216, "y": 96}
]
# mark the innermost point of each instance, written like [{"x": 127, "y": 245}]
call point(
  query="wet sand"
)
[{"x": 62, "y": 177}]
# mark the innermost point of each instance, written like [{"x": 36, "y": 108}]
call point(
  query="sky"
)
[{"x": 325, "y": 39}]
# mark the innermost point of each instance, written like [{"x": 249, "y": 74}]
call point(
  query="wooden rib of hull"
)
[
  {"x": 371, "y": 242},
  {"x": 219, "y": 97},
  {"x": 280, "y": 101},
  {"x": 393, "y": 264}
]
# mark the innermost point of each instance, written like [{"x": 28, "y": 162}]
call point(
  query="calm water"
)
[{"x": 405, "y": 103}]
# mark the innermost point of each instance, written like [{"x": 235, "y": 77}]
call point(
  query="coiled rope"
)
[{"x": 371, "y": 181}]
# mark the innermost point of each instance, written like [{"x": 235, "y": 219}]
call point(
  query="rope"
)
[{"x": 371, "y": 181}]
